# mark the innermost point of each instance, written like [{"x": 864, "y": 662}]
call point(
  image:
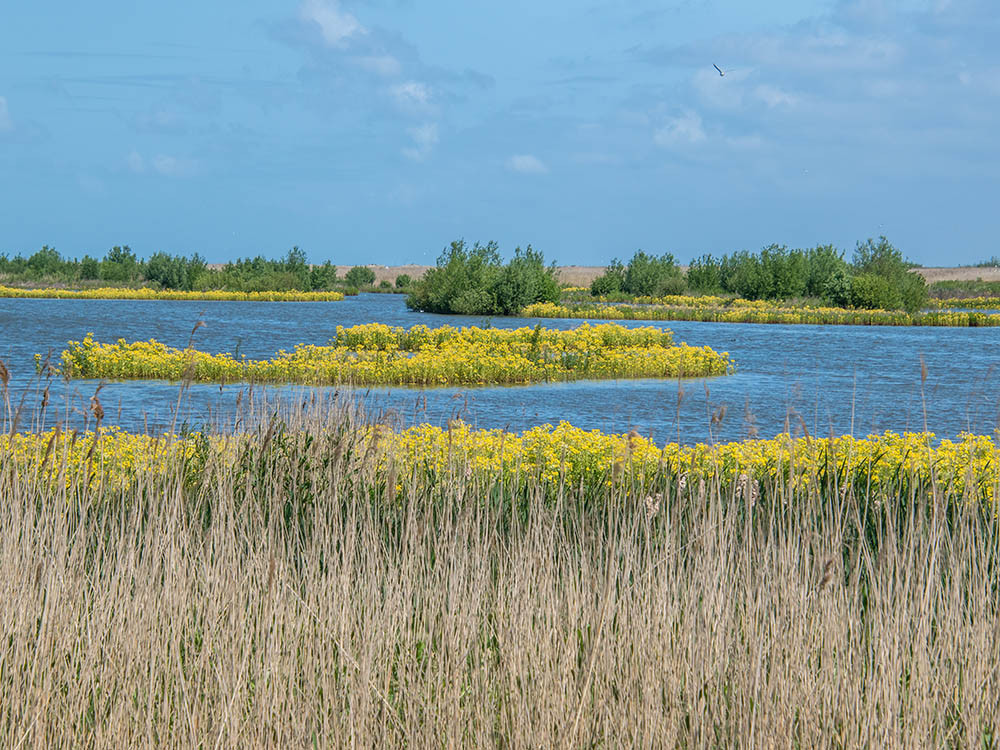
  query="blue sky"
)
[{"x": 379, "y": 131}]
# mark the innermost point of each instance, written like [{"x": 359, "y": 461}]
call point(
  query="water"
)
[{"x": 820, "y": 379}]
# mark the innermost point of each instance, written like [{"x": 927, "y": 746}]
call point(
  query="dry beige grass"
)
[{"x": 283, "y": 600}]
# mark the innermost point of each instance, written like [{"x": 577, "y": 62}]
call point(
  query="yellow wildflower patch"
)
[
  {"x": 721, "y": 310},
  {"x": 378, "y": 354},
  {"x": 966, "y": 468},
  {"x": 170, "y": 294}
]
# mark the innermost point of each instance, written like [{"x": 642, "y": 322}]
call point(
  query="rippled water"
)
[{"x": 823, "y": 379}]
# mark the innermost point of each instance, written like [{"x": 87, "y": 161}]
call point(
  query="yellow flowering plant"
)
[{"x": 377, "y": 354}]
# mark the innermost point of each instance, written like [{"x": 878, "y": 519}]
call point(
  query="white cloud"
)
[
  {"x": 985, "y": 80},
  {"x": 6, "y": 124},
  {"x": 411, "y": 94},
  {"x": 822, "y": 51},
  {"x": 335, "y": 25},
  {"x": 680, "y": 131},
  {"x": 383, "y": 65},
  {"x": 172, "y": 166},
  {"x": 526, "y": 164},
  {"x": 425, "y": 138},
  {"x": 135, "y": 162},
  {"x": 772, "y": 96}
]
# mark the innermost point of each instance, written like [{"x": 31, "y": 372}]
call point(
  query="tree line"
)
[
  {"x": 877, "y": 277},
  {"x": 474, "y": 280},
  {"x": 121, "y": 266}
]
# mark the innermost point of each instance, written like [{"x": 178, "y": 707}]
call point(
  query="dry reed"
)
[{"x": 287, "y": 599}]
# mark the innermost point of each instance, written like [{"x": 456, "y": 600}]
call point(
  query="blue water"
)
[{"x": 820, "y": 379}]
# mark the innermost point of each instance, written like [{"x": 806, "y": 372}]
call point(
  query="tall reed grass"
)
[{"x": 282, "y": 596}]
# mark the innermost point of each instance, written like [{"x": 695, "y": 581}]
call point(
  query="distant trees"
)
[
  {"x": 360, "y": 276},
  {"x": 475, "y": 281},
  {"x": 877, "y": 277},
  {"x": 774, "y": 273},
  {"x": 323, "y": 277},
  {"x": 645, "y": 275},
  {"x": 120, "y": 265},
  {"x": 880, "y": 278}
]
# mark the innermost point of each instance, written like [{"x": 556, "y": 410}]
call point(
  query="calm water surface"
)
[{"x": 823, "y": 379}]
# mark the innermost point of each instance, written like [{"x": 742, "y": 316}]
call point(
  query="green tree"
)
[
  {"x": 474, "y": 281},
  {"x": 120, "y": 265},
  {"x": 459, "y": 282},
  {"x": 704, "y": 275},
  {"x": 168, "y": 271},
  {"x": 323, "y": 277},
  {"x": 823, "y": 262},
  {"x": 879, "y": 258},
  {"x": 523, "y": 281},
  {"x": 403, "y": 281},
  {"x": 90, "y": 268},
  {"x": 649, "y": 275},
  {"x": 45, "y": 262},
  {"x": 360, "y": 276},
  {"x": 873, "y": 292},
  {"x": 611, "y": 281}
]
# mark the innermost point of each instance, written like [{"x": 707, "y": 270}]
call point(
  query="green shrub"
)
[
  {"x": 645, "y": 275},
  {"x": 611, "y": 282},
  {"x": 474, "y": 281},
  {"x": 90, "y": 268},
  {"x": 872, "y": 292},
  {"x": 168, "y": 271},
  {"x": 322, "y": 277},
  {"x": 120, "y": 265},
  {"x": 524, "y": 281},
  {"x": 837, "y": 290},
  {"x": 360, "y": 276},
  {"x": 704, "y": 275},
  {"x": 823, "y": 263},
  {"x": 403, "y": 281},
  {"x": 879, "y": 258}
]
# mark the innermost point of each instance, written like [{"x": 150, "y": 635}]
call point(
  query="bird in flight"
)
[{"x": 718, "y": 69}]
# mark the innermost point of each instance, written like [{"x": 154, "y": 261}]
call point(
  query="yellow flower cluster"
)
[
  {"x": 377, "y": 354},
  {"x": 966, "y": 468},
  {"x": 170, "y": 294},
  {"x": 710, "y": 309},
  {"x": 969, "y": 465},
  {"x": 107, "y": 458},
  {"x": 969, "y": 303}
]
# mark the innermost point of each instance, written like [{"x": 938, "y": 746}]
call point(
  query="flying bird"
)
[{"x": 718, "y": 69}]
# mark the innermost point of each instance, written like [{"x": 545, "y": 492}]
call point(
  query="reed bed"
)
[
  {"x": 718, "y": 310},
  {"x": 170, "y": 294},
  {"x": 376, "y": 354},
  {"x": 303, "y": 587}
]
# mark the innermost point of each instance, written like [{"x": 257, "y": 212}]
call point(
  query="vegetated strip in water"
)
[
  {"x": 143, "y": 293},
  {"x": 971, "y": 303},
  {"x": 760, "y": 313},
  {"x": 377, "y": 354},
  {"x": 966, "y": 470}
]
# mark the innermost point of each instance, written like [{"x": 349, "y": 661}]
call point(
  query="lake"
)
[{"x": 821, "y": 379}]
